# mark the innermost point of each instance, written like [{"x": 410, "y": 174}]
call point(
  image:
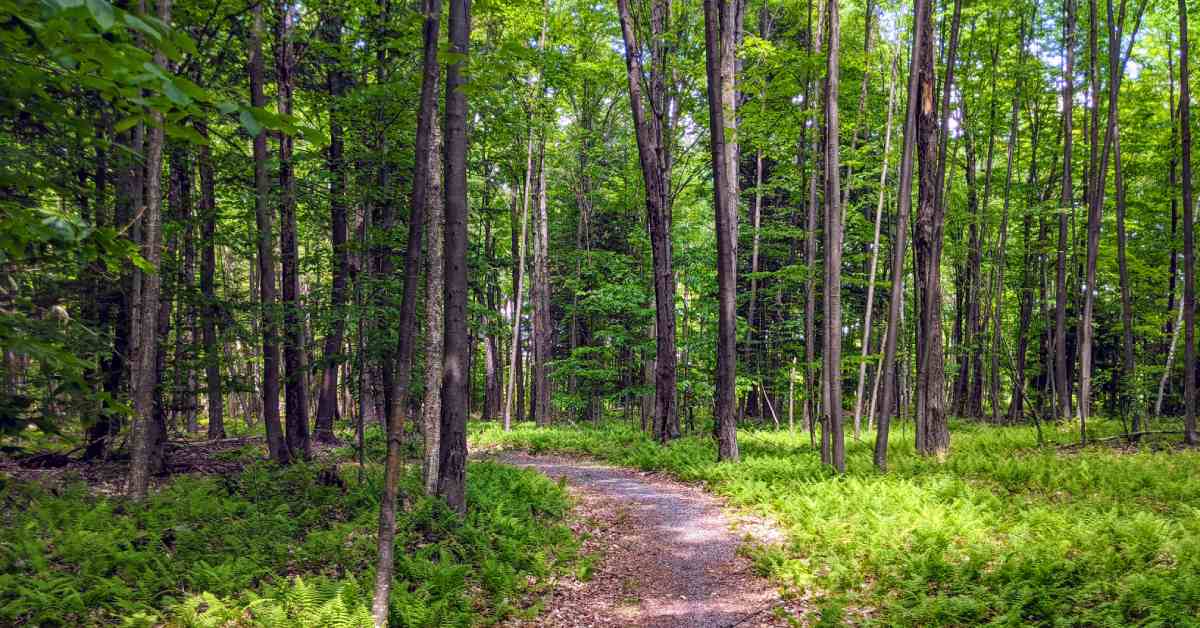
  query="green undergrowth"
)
[
  {"x": 1003, "y": 532},
  {"x": 275, "y": 546}
]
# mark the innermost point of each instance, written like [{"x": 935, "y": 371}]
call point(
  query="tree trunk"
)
[
  {"x": 867, "y": 314},
  {"x": 652, "y": 153},
  {"x": 1061, "y": 379},
  {"x": 1189, "y": 252},
  {"x": 833, "y": 248},
  {"x": 933, "y": 437},
  {"x": 455, "y": 387},
  {"x": 431, "y": 409},
  {"x": 294, "y": 360},
  {"x": 143, "y": 378},
  {"x": 540, "y": 290},
  {"x": 211, "y": 311},
  {"x": 335, "y": 83},
  {"x": 718, "y": 28},
  {"x": 424, "y": 182}
]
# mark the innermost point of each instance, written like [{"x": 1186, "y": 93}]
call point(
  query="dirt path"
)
[{"x": 666, "y": 555}]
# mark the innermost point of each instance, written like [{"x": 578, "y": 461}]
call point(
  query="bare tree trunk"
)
[
  {"x": 719, "y": 27},
  {"x": 933, "y": 437},
  {"x": 424, "y": 182},
  {"x": 431, "y": 409},
  {"x": 652, "y": 152},
  {"x": 1061, "y": 379},
  {"x": 453, "y": 460},
  {"x": 335, "y": 82},
  {"x": 266, "y": 257},
  {"x": 922, "y": 45},
  {"x": 833, "y": 247},
  {"x": 210, "y": 311},
  {"x": 1189, "y": 251},
  {"x": 540, "y": 291},
  {"x": 145, "y": 348},
  {"x": 1001, "y": 246},
  {"x": 866, "y": 339},
  {"x": 514, "y": 371},
  {"x": 294, "y": 360}
]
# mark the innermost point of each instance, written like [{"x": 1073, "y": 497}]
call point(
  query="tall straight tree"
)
[
  {"x": 540, "y": 293},
  {"x": 144, "y": 377},
  {"x": 452, "y": 467},
  {"x": 422, "y": 176},
  {"x": 266, "y": 255},
  {"x": 833, "y": 248},
  {"x": 431, "y": 408},
  {"x": 922, "y": 38},
  {"x": 718, "y": 14},
  {"x": 1066, "y": 203},
  {"x": 653, "y": 154},
  {"x": 331, "y": 34},
  {"x": 210, "y": 310},
  {"x": 1189, "y": 251},
  {"x": 294, "y": 359},
  {"x": 933, "y": 435}
]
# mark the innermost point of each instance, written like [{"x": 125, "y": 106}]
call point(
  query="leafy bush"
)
[
  {"x": 218, "y": 551},
  {"x": 1002, "y": 532}
]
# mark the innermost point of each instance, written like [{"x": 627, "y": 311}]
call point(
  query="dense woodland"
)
[{"x": 737, "y": 241}]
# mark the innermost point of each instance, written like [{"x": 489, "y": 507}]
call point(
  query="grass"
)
[
  {"x": 275, "y": 546},
  {"x": 1003, "y": 532}
]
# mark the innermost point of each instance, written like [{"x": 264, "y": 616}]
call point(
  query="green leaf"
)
[
  {"x": 176, "y": 95},
  {"x": 102, "y": 12},
  {"x": 136, "y": 23},
  {"x": 127, "y": 123},
  {"x": 227, "y": 107},
  {"x": 251, "y": 124}
]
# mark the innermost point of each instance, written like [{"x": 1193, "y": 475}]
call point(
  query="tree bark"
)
[
  {"x": 210, "y": 311},
  {"x": 1189, "y": 251},
  {"x": 540, "y": 289},
  {"x": 933, "y": 437},
  {"x": 867, "y": 314},
  {"x": 922, "y": 45},
  {"x": 144, "y": 378},
  {"x": 833, "y": 248},
  {"x": 455, "y": 386},
  {"x": 331, "y": 32},
  {"x": 1061, "y": 376},
  {"x": 431, "y": 408},
  {"x": 449, "y": 486},
  {"x": 718, "y": 24},
  {"x": 652, "y": 154}
]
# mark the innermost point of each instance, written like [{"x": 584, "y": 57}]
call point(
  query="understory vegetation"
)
[
  {"x": 1003, "y": 532},
  {"x": 276, "y": 546}
]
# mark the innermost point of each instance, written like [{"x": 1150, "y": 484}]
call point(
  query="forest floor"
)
[{"x": 667, "y": 554}]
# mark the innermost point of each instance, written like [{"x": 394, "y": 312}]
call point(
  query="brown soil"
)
[{"x": 666, "y": 555}]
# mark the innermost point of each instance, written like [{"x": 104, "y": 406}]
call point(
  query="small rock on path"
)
[{"x": 666, "y": 555}]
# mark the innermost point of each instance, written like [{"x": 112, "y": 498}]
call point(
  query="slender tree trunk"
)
[
  {"x": 540, "y": 289},
  {"x": 717, "y": 18},
  {"x": 1002, "y": 241},
  {"x": 933, "y": 436},
  {"x": 424, "y": 182},
  {"x": 145, "y": 441},
  {"x": 1061, "y": 375},
  {"x": 210, "y": 311},
  {"x": 518, "y": 245},
  {"x": 922, "y": 44},
  {"x": 833, "y": 247},
  {"x": 335, "y": 83},
  {"x": 455, "y": 387},
  {"x": 266, "y": 257},
  {"x": 651, "y": 151},
  {"x": 294, "y": 359},
  {"x": 431, "y": 409},
  {"x": 1189, "y": 251},
  {"x": 866, "y": 339}
]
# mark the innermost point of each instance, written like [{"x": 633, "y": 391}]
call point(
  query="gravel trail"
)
[{"x": 666, "y": 555}]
